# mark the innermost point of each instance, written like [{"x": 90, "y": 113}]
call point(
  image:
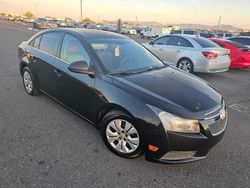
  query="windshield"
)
[{"x": 124, "y": 55}]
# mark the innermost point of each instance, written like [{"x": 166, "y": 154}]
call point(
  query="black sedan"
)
[{"x": 138, "y": 103}]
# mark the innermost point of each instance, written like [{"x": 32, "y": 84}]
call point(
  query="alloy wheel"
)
[{"x": 185, "y": 66}]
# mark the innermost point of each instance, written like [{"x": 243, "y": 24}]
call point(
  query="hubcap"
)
[
  {"x": 185, "y": 66},
  {"x": 27, "y": 81},
  {"x": 122, "y": 136}
]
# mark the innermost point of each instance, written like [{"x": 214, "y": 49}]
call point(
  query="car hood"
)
[{"x": 173, "y": 91}]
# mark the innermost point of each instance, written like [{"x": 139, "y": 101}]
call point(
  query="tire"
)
[
  {"x": 29, "y": 82},
  {"x": 186, "y": 65},
  {"x": 142, "y": 36},
  {"x": 119, "y": 133}
]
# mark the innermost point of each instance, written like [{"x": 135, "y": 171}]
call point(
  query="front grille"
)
[
  {"x": 218, "y": 127},
  {"x": 216, "y": 120}
]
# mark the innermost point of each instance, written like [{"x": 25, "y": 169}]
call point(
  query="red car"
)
[{"x": 239, "y": 54}]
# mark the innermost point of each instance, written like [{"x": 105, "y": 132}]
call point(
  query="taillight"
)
[{"x": 210, "y": 55}]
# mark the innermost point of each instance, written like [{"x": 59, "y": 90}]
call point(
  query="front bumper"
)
[{"x": 185, "y": 147}]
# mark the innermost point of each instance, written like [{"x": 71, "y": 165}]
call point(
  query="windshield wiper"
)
[
  {"x": 138, "y": 71},
  {"x": 123, "y": 73}
]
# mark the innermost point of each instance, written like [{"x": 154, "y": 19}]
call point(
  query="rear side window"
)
[
  {"x": 179, "y": 41},
  {"x": 205, "y": 43},
  {"x": 72, "y": 50},
  {"x": 50, "y": 42}
]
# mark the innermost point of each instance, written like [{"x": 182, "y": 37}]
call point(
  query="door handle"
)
[{"x": 58, "y": 72}]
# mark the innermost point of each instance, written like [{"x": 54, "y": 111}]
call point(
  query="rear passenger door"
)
[{"x": 45, "y": 61}]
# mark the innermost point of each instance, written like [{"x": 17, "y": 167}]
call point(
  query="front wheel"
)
[
  {"x": 142, "y": 36},
  {"x": 186, "y": 65},
  {"x": 120, "y": 135}
]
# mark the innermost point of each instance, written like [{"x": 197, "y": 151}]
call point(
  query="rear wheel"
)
[
  {"x": 186, "y": 65},
  {"x": 120, "y": 135},
  {"x": 142, "y": 36},
  {"x": 28, "y": 82}
]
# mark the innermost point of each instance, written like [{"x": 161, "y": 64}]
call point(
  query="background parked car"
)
[
  {"x": 239, "y": 54},
  {"x": 224, "y": 35},
  {"x": 191, "y": 53},
  {"x": 150, "y": 33},
  {"x": 245, "y": 40},
  {"x": 185, "y": 32},
  {"x": 129, "y": 31},
  {"x": 41, "y": 23}
]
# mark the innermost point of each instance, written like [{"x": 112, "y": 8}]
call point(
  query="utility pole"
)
[
  {"x": 81, "y": 9},
  {"x": 218, "y": 25}
]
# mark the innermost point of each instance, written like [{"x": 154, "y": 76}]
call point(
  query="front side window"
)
[
  {"x": 72, "y": 50},
  {"x": 37, "y": 42},
  {"x": 124, "y": 55},
  {"x": 162, "y": 41},
  {"x": 50, "y": 42}
]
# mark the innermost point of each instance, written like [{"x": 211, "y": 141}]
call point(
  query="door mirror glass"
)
[{"x": 80, "y": 67}]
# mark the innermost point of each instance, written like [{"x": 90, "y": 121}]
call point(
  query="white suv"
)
[{"x": 150, "y": 33}]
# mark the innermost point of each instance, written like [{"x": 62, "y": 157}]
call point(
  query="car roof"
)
[{"x": 91, "y": 33}]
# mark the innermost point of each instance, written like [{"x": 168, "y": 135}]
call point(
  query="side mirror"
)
[
  {"x": 152, "y": 43},
  {"x": 80, "y": 67}
]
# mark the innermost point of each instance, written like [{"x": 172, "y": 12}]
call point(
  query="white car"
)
[
  {"x": 150, "y": 33},
  {"x": 190, "y": 53},
  {"x": 129, "y": 31}
]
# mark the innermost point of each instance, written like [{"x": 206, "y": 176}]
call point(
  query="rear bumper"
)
[
  {"x": 212, "y": 66},
  {"x": 182, "y": 147}
]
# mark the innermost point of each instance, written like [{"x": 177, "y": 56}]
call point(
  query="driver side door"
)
[{"x": 76, "y": 90}]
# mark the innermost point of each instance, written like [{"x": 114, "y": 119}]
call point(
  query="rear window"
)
[
  {"x": 205, "y": 43},
  {"x": 220, "y": 44},
  {"x": 50, "y": 42},
  {"x": 236, "y": 44},
  {"x": 244, "y": 41}
]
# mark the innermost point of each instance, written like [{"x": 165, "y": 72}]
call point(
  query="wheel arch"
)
[
  {"x": 109, "y": 108},
  {"x": 183, "y": 59}
]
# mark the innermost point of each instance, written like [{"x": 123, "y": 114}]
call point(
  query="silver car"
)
[{"x": 191, "y": 53}]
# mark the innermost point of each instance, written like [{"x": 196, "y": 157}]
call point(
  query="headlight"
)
[{"x": 176, "y": 124}]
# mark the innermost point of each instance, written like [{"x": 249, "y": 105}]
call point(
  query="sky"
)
[{"x": 207, "y": 12}]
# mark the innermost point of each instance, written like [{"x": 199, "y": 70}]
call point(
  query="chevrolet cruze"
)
[{"x": 139, "y": 103}]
